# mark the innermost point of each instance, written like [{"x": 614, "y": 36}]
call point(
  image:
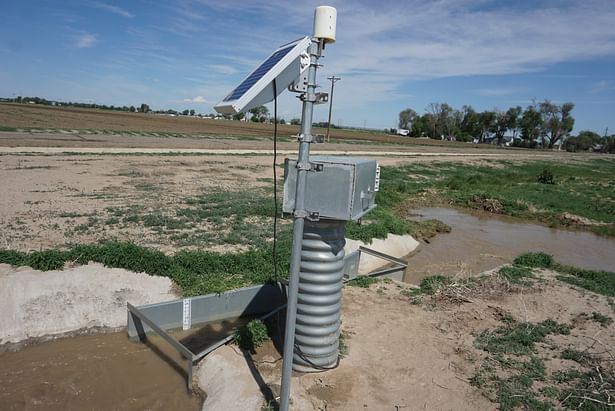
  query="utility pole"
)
[{"x": 333, "y": 80}]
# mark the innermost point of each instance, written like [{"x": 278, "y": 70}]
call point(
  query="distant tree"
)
[
  {"x": 487, "y": 124},
  {"x": 420, "y": 126},
  {"x": 505, "y": 121},
  {"x": 441, "y": 120},
  {"x": 584, "y": 141},
  {"x": 500, "y": 126},
  {"x": 514, "y": 120},
  {"x": 558, "y": 121},
  {"x": 239, "y": 116},
  {"x": 406, "y": 118},
  {"x": 144, "y": 108},
  {"x": 470, "y": 123},
  {"x": 259, "y": 114},
  {"x": 282, "y": 121},
  {"x": 132, "y": 109},
  {"x": 192, "y": 112},
  {"x": 185, "y": 112},
  {"x": 295, "y": 121},
  {"x": 531, "y": 125}
]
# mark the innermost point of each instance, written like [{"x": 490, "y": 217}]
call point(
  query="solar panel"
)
[
  {"x": 258, "y": 74},
  {"x": 283, "y": 65}
]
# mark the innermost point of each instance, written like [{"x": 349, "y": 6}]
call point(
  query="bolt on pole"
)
[{"x": 333, "y": 80}]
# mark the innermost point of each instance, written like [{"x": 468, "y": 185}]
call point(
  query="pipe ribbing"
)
[{"x": 321, "y": 272}]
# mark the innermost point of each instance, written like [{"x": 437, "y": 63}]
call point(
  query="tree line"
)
[
  {"x": 544, "y": 124},
  {"x": 143, "y": 108}
]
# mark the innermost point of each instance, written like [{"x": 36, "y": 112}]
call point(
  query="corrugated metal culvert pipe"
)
[{"x": 320, "y": 296}]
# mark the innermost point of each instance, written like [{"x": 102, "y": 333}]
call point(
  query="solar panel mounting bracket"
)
[{"x": 284, "y": 66}]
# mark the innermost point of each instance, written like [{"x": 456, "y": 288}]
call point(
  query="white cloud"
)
[
  {"x": 603, "y": 86},
  {"x": 197, "y": 99},
  {"x": 111, "y": 9},
  {"x": 379, "y": 48},
  {"x": 496, "y": 91},
  {"x": 224, "y": 68},
  {"x": 85, "y": 40}
]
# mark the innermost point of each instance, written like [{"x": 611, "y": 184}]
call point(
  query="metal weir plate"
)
[{"x": 258, "y": 301}]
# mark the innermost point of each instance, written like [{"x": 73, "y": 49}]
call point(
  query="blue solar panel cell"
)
[{"x": 258, "y": 74}]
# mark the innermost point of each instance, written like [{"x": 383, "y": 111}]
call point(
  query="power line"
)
[{"x": 333, "y": 80}]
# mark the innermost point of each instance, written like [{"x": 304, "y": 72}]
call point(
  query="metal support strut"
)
[{"x": 314, "y": 50}]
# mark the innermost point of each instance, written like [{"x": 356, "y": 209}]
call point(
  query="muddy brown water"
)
[
  {"x": 104, "y": 372},
  {"x": 479, "y": 242}
]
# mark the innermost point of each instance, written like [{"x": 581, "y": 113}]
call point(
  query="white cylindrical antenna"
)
[{"x": 325, "y": 21}]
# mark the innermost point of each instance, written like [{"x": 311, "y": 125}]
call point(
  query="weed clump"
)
[
  {"x": 363, "y": 281},
  {"x": 534, "y": 260},
  {"x": 516, "y": 274},
  {"x": 546, "y": 177},
  {"x": 431, "y": 284},
  {"x": 518, "y": 338},
  {"x": 251, "y": 336},
  {"x": 603, "y": 320},
  {"x": 600, "y": 282}
]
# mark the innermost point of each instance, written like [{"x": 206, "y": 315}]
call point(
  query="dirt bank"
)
[
  {"x": 40, "y": 305},
  {"x": 421, "y": 354}
]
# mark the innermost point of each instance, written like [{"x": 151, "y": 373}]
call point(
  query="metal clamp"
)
[
  {"x": 321, "y": 98},
  {"x": 313, "y": 216},
  {"x": 300, "y": 214},
  {"x": 308, "y": 97},
  {"x": 305, "y": 138},
  {"x": 309, "y": 166},
  {"x": 310, "y": 215}
]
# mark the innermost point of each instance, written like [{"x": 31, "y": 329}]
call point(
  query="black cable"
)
[{"x": 275, "y": 181}]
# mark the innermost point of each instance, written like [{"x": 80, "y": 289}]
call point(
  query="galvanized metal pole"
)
[
  {"x": 333, "y": 80},
  {"x": 303, "y": 166}
]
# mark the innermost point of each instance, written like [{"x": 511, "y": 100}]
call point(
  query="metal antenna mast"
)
[{"x": 333, "y": 80}]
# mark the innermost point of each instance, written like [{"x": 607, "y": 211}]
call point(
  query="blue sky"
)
[{"x": 390, "y": 54}]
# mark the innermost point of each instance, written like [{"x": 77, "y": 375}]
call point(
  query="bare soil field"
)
[
  {"x": 90, "y": 121},
  {"x": 28, "y": 117},
  {"x": 53, "y": 200}
]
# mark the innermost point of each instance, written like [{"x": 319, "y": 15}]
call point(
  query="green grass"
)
[
  {"x": 600, "y": 282},
  {"x": 534, "y": 260},
  {"x": 584, "y": 189},
  {"x": 343, "y": 345},
  {"x": 195, "y": 272},
  {"x": 252, "y": 335},
  {"x": 511, "y": 368},
  {"x": 518, "y": 338},
  {"x": 431, "y": 284},
  {"x": 603, "y": 320},
  {"x": 580, "y": 357},
  {"x": 363, "y": 281},
  {"x": 516, "y": 274}
]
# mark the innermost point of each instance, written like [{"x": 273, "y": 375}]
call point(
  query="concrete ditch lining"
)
[{"x": 98, "y": 297}]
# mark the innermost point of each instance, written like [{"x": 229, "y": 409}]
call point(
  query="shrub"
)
[
  {"x": 546, "y": 177},
  {"x": 252, "y": 335}
]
